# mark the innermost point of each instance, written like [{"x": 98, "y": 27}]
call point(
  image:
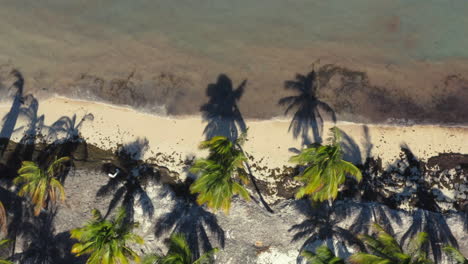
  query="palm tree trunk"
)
[
  {"x": 254, "y": 182},
  {"x": 18, "y": 209},
  {"x": 330, "y": 207}
]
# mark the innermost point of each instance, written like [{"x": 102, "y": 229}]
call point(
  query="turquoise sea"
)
[{"x": 416, "y": 29}]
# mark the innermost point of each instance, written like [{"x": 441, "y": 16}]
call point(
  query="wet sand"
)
[{"x": 399, "y": 61}]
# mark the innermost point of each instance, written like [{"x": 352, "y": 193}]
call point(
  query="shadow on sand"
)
[{"x": 9, "y": 121}]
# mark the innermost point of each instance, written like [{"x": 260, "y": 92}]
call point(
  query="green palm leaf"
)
[
  {"x": 106, "y": 241},
  {"x": 207, "y": 257},
  {"x": 364, "y": 258},
  {"x": 41, "y": 186},
  {"x": 151, "y": 259},
  {"x": 4, "y": 243},
  {"x": 326, "y": 170},
  {"x": 455, "y": 255},
  {"x": 322, "y": 255},
  {"x": 220, "y": 174},
  {"x": 386, "y": 250},
  {"x": 179, "y": 253}
]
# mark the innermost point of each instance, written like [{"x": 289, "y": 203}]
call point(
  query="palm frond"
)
[
  {"x": 325, "y": 171},
  {"x": 219, "y": 173},
  {"x": 151, "y": 259},
  {"x": 386, "y": 249},
  {"x": 41, "y": 186},
  {"x": 322, "y": 255},
  {"x": 455, "y": 255},
  {"x": 206, "y": 257},
  {"x": 364, "y": 258},
  {"x": 106, "y": 241}
]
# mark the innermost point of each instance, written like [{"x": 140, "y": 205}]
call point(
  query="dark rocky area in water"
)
[{"x": 408, "y": 197}]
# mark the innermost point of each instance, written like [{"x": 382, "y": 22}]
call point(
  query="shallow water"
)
[
  {"x": 421, "y": 29},
  {"x": 265, "y": 41}
]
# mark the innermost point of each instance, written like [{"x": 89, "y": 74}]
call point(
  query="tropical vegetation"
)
[
  {"x": 325, "y": 169},
  {"x": 179, "y": 253},
  {"x": 3, "y": 218},
  {"x": 384, "y": 249},
  {"x": 106, "y": 241},
  {"x": 4, "y": 243},
  {"x": 41, "y": 186},
  {"x": 455, "y": 255},
  {"x": 322, "y": 255},
  {"x": 221, "y": 173}
]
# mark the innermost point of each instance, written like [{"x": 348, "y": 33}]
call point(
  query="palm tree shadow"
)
[
  {"x": 42, "y": 245},
  {"x": 421, "y": 197},
  {"x": 351, "y": 150},
  {"x": 221, "y": 111},
  {"x": 428, "y": 217},
  {"x": 368, "y": 146},
  {"x": 24, "y": 149},
  {"x": 15, "y": 214},
  {"x": 66, "y": 141},
  {"x": 190, "y": 219},
  {"x": 320, "y": 225},
  {"x": 464, "y": 210},
  {"x": 128, "y": 177},
  {"x": 435, "y": 225},
  {"x": 9, "y": 121},
  {"x": 66, "y": 137},
  {"x": 307, "y": 108},
  {"x": 34, "y": 128},
  {"x": 370, "y": 213}
]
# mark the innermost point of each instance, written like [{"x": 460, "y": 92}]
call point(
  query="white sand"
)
[{"x": 269, "y": 141}]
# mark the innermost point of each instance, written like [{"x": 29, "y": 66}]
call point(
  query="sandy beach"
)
[
  {"x": 93, "y": 79},
  {"x": 174, "y": 140}
]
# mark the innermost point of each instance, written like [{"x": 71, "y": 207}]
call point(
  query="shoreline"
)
[
  {"x": 172, "y": 141},
  {"x": 281, "y": 118}
]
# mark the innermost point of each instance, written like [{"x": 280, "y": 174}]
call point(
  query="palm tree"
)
[
  {"x": 322, "y": 255},
  {"x": 217, "y": 184},
  {"x": 41, "y": 186},
  {"x": 307, "y": 107},
  {"x": 179, "y": 253},
  {"x": 106, "y": 241},
  {"x": 455, "y": 255},
  {"x": 3, "y": 219},
  {"x": 4, "y": 243},
  {"x": 326, "y": 170},
  {"x": 386, "y": 249}
]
